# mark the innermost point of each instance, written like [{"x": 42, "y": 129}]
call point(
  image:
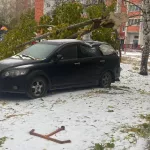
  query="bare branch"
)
[{"x": 134, "y": 4}]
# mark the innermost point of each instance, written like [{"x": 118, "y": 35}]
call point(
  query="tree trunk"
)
[{"x": 146, "y": 34}]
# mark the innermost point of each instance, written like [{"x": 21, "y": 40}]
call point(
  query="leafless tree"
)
[
  {"x": 146, "y": 33},
  {"x": 145, "y": 9},
  {"x": 7, "y": 11}
]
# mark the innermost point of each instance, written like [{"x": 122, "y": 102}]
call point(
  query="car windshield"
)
[
  {"x": 107, "y": 49},
  {"x": 38, "y": 51}
]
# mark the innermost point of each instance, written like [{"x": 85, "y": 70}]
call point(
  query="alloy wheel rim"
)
[
  {"x": 37, "y": 88},
  {"x": 106, "y": 80}
]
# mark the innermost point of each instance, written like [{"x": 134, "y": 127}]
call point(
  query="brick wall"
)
[{"x": 39, "y": 9}]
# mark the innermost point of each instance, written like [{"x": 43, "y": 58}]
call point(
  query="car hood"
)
[{"x": 13, "y": 62}]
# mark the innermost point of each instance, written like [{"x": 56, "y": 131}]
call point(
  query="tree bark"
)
[{"x": 146, "y": 34}]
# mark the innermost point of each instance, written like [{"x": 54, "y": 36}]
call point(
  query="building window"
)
[
  {"x": 48, "y": 5},
  {"x": 125, "y": 3},
  {"x": 134, "y": 22},
  {"x": 133, "y": 8},
  {"x": 123, "y": 29},
  {"x": 136, "y": 37}
]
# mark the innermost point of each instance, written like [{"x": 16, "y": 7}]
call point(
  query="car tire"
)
[
  {"x": 106, "y": 80},
  {"x": 37, "y": 87}
]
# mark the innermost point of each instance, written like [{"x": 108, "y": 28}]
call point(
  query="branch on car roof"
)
[
  {"x": 96, "y": 25},
  {"x": 97, "y": 22},
  {"x": 78, "y": 25},
  {"x": 111, "y": 21}
]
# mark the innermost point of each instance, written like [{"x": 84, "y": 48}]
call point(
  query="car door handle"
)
[
  {"x": 102, "y": 61},
  {"x": 77, "y": 63}
]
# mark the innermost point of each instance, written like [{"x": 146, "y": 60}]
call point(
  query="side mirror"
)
[{"x": 59, "y": 57}]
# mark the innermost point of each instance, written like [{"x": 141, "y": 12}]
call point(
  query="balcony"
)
[{"x": 133, "y": 29}]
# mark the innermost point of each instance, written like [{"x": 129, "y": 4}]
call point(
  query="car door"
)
[
  {"x": 109, "y": 55},
  {"x": 91, "y": 64},
  {"x": 64, "y": 71}
]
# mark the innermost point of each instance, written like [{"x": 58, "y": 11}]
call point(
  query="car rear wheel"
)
[
  {"x": 37, "y": 87},
  {"x": 106, "y": 79}
]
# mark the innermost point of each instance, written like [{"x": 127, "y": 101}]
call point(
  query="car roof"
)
[
  {"x": 94, "y": 43},
  {"x": 62, "y": 41},
  {"x": 67, "y": 41}
]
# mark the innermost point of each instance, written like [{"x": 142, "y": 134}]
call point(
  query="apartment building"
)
[{"x": 131, "y": 32}]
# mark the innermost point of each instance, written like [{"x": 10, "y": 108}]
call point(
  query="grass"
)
[
  {"x": 143, "y": 92},
  {"x": 2, "y": 140},
  {"x": 94, "y": 93},
  {"x": 142, "y": 130},
  {"x": 123, "y": 88},
  {"x": 129, "y": 60},
  {"x": 104, "y": 146},
  {"x": 136, "y": 68},
  {"x": 110, "y": 110},
  {"x": 133, "y": 61},
  {"x": 146, "y": 117},
  {"x": 107, "y": 145}
]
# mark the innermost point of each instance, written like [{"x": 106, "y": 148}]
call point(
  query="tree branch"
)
[
  {"x": 46, "y": 25},
  {"x": 78, "y": 25},
  {"x": 134, "y": 4},
  {"x": 96, "y": 25}
]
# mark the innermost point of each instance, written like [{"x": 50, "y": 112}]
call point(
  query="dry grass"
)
[
  {"x": 133, "y": 61},
  {"x": 129, "y": 60}
]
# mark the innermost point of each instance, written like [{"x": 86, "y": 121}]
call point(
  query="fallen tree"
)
[{"x": 16, "y": 39}]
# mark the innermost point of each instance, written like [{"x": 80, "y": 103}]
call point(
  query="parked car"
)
[{"x": 59, "y": 64}]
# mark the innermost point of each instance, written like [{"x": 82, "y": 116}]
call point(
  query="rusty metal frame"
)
[{"x": 47, "y": 137}]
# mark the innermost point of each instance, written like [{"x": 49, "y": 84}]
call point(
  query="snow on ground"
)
[
  {"x": 92, "y": 115},
  {"x": 134, "y": 55}
]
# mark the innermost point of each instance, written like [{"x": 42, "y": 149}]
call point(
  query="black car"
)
[{"x": 59, "y": 64}]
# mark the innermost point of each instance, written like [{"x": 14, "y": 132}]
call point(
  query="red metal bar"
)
[
  {"x": 58, "y": 130},
  {"x": 47, "y": 137}
]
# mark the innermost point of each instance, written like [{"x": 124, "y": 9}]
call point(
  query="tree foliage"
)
[
  {"x": 64, "y": 15},
  {"x": 68, "y": 13},
  {"x": 22, "y": 32},
  {"x": 105, "y": 35}
]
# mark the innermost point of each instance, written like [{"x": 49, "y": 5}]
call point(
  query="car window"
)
[
  {"x": 106, "y": 49},
  {"x": 39, "y": 51},
  {"x": 69, "y": 52},
  {"x": 86, "y": 51}
]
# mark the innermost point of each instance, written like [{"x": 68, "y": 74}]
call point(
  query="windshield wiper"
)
[
  {"x": 19, "y": 56},
  {"x": 28, "y": 56}
]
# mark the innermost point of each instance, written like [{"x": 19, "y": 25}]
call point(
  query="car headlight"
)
[{"x": 14, "y": 73}]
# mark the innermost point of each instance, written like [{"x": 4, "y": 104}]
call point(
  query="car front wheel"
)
[
  {"x": 37, "y": 87},
  {"x": 106, "y": 79}
]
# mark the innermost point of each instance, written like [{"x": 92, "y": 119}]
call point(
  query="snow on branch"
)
[{"x": 118, "y": 19}]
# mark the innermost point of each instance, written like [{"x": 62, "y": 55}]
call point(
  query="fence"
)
[{"x": 132, "y": 47}]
